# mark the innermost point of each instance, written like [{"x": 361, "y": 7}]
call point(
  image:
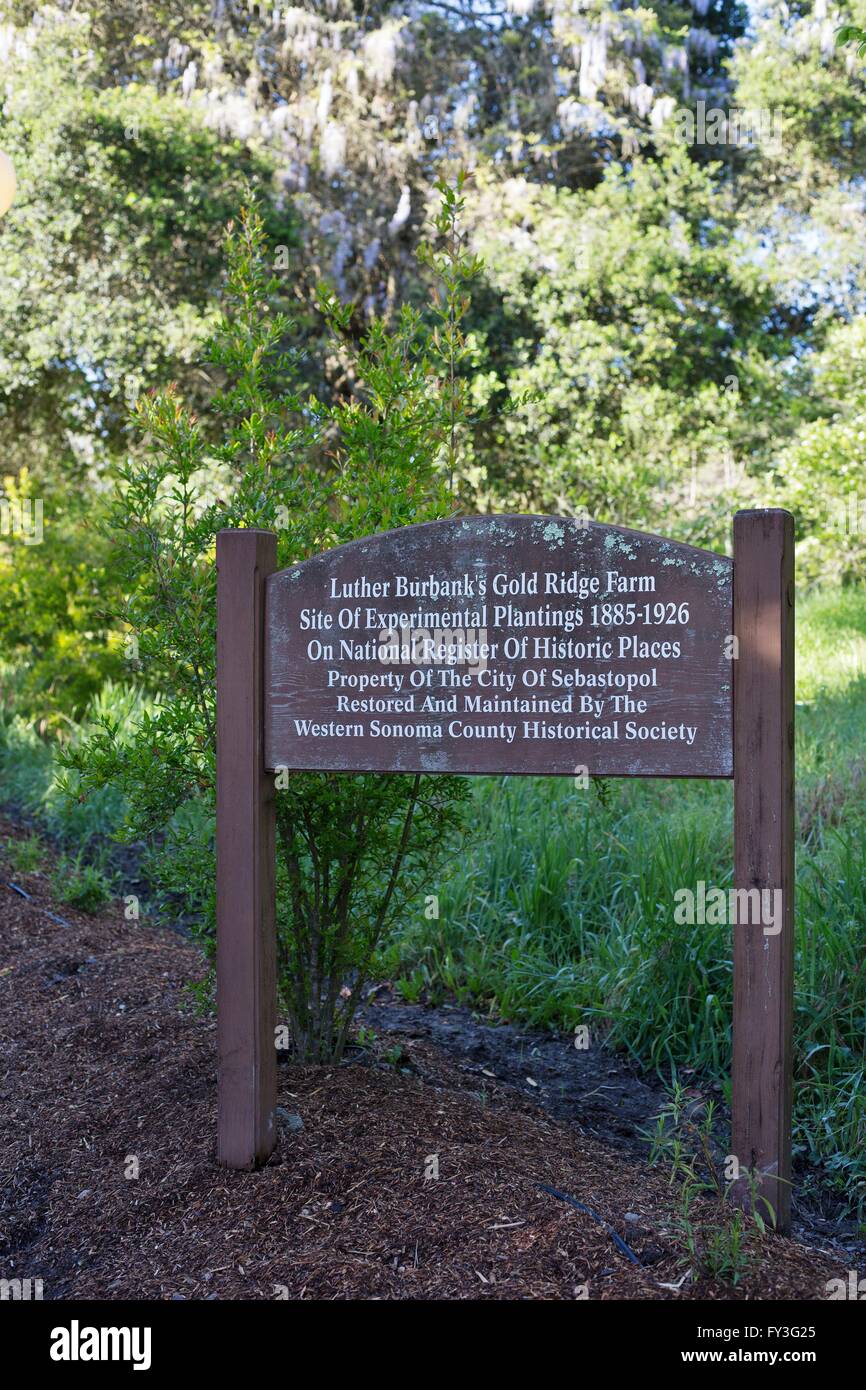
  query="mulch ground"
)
[{"x": 107, "y": 1072}]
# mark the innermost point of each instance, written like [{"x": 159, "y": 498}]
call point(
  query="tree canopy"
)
[{"x": 668, "y": 198}]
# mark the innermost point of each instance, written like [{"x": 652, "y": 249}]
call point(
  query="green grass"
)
[
  {"x": 24, "y": 855},
  {"x": 81, "y": 884},
  {"x": 559, "y": 908},
  {"x": 831, "y": 642}
]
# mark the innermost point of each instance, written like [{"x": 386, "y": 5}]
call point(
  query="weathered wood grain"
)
[
  {"x": 764, "y": 850},
  {"x": 691, "y": 693},
  {"x": 246, "y": 935}
]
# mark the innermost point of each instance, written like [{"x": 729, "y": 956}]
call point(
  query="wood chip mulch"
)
[{"x": 107, "y": 1072}]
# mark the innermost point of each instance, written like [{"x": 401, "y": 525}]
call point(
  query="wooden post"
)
[
  {"x": 764, "y": 853},
  {"x": 246, "y": 932}
]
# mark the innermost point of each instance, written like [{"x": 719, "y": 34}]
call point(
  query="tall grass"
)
[{"x": 559, "y": 908}]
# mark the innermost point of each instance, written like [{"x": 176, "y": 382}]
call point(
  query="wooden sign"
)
[
  {"x": 502, "y": 644},
  {"x": 511, "y": 644}
]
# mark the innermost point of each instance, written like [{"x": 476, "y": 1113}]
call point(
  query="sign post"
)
[
  {"x": 522, "y": 645},
  {"x": 764, "y": 853},
  {"x": 246, "y": 927}
]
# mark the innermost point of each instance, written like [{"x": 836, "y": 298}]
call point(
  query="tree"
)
[
  {"x": 352, "y": 850},
  {"x": 111, "y": 264},
  {"x": 644, "y": 333},
  {"x": 113, "y": 255}
]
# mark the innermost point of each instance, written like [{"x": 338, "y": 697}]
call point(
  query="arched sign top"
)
[
  {"x": 502, "y": 644},
  {"x": 557, "y": 532}
]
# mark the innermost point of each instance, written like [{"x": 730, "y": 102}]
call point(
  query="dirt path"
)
[{"x": 111, "y": 1190}]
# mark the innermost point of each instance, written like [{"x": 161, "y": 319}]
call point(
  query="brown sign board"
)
[{"x": 502, "y": 644}]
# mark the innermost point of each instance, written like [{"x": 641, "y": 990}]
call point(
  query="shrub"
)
[{"x": 351, "y": 849}]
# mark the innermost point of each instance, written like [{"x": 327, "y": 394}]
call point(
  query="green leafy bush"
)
[{"x": 351, "y": 850}]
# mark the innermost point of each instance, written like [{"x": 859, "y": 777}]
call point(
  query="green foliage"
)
[
  {"x": 560, "y": 912},
  {"x": 831, "y": 671},
  {"x": 113, "y": 252},
  {"x": 796, "y": 191},
  {"x": 685, "y": 325},
  {"x": 58, "y": 649},
  {"x": 642, "y": 333},
  {"x": 178, "y": 865},
  {"x": 351, "y": 848},
  {"x": 717, "y": 1242},
  {"x": 29, "y": 773},
  {"x": 80, "y": 884},
  {"x": 24, "y": 855},
  {"x": 796, "y": 68},
  {"x": 411, "y": 987},
  {"x": 332, "y": 94},
  {"x": 656, "y": 303},
  {"x": 819, "y": 474},
  {"x": 851, "y": 33}
]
